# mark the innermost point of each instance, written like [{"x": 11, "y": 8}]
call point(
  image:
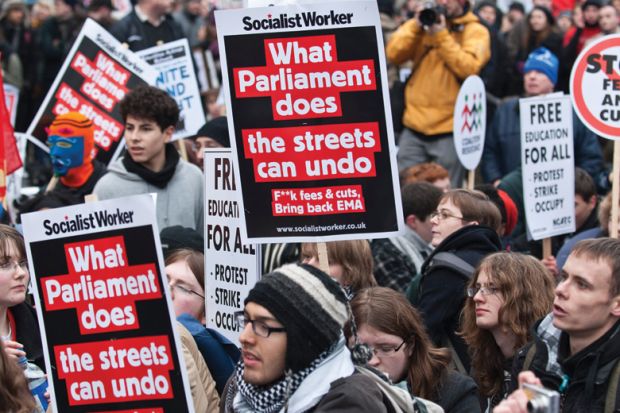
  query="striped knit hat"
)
[{"x": 309, "y": 304}]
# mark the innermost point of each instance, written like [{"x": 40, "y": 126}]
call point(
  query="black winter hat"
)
[
  {"x": 311, "y": 306},
  {"x": 216, "y": 128},
  {"x": 178, "y": 237}
]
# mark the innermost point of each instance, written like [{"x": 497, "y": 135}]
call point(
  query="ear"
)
[
  {"x": 411, "y": 221},
  {"x": 168, "y": 132},
  {"x": 473, "y": 223},
  {"x": 592, "y": 201},
  {"x": 615, "y": 306},
  {"x": 410, "y": 347}
]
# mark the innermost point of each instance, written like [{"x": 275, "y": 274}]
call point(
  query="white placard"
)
[
  {"x": 231, "y": 267},
  {"x": 548, "y": 165},
  {"x": 470, "y": 120},
  {"x": 177, "y": 78}
]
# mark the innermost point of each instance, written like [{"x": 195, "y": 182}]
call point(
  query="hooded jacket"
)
[
  {"x": 181, "y": 202},
  {"x": 587, "y": 372},
  {"x": 442, "y": 290},
  {"x": 441, "y": 61}
]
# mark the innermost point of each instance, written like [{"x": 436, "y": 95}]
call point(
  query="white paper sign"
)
[
  {"x": 231, "y": 267},
  {"x": 470, "y": 115},
  {"x": 548, "y": 165},
  {"x": 177, "y": 77}
]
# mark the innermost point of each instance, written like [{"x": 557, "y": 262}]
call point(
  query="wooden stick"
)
[
  {"x": 321, "y": 248},
  {"x": 546, "y": 247},
  {"x": 615, "y": 191},
  {"x": 91, "y": 198},
  {"x": 471, "y": 179},
  {"x": 183, "y": 149},
  {"x": 52, "y": 184}
]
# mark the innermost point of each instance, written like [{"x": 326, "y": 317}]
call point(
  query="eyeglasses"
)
[
  {"x": 8, "y": 266},
  {"x": 443, "y": 215},
  {"x": 387, "y": 351},
  {"x": 186, "y": 291},
  {"x": 260, "y": 328},
  {"x": 472, "y": 291}
]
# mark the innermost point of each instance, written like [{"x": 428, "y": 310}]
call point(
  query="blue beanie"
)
[{"x": 544, "y": 61}]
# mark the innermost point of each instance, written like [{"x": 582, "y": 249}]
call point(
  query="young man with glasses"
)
[
  {"x": 465, "y": 225},
  {"x": 293, "y": 353}
]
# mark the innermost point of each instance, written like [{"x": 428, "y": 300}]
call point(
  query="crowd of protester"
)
[{"x": 455, "y": 313}]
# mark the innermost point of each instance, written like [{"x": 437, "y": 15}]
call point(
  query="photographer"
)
[{"x": 446, "y": 43}]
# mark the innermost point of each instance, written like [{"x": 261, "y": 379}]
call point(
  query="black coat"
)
[
  {"x": 140, "y": 35},
  {"x": 588, "y": 371},
  {"x": 442, "y": 290},
  {"x": 27, "y": 333}
]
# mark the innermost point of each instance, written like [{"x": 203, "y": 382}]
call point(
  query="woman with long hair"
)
[
  {"x": 507, "y": 294},
  {"x": 389, "y": 324},
  {"x": 19, "y": 328}
]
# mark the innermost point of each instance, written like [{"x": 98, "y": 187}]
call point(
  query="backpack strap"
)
[
  {"x": 529, "y": 357},
  {"x": 453, "y": 262},
  {"x": 612, "y": 389}
]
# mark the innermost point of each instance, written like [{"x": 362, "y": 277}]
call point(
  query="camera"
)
[
  {"x": 541, "y": 400},
  {"x": 430, "y": 13}
]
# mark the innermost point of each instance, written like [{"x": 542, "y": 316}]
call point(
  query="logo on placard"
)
[
  {"x": 595, "y": 86},
  {"x": 470, "y": 115},
  {"x": 469, "y": 122}
]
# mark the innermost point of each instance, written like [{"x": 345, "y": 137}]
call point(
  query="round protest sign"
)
[
  {"x": 595, "y": 86},
  {"x": 470, "y": 114}
]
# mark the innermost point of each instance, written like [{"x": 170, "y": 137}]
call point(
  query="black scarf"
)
[{"x": 159, "y": 179}]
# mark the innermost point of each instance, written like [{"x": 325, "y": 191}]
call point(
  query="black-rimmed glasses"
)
[{"x": 260, "y": 328}]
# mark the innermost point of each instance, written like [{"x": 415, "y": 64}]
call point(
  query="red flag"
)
[{"x": 10, "y": 160}]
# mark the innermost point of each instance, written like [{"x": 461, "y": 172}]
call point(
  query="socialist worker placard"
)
[
  {"x": 108, "y": 332},
  {"x": 308, "y": 113}
]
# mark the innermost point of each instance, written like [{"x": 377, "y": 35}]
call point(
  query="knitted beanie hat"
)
[
  {"x": 544, "y": 61},
  {"x": 310, "y": 305},
  {"x": 75, "y": 124},
  {"x": 216, "y": 129}
]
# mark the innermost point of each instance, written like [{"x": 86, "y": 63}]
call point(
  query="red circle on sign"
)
[{"x": 576, "y": 81}]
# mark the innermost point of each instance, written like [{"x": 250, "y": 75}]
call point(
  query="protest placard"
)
[
  {"x": 595, "y": 93},
  {"x": 176, "y": 76},
  {"x": 231, "y": 267},
  {"x": 95, "y": 76},
  {"x": 548, "y": 165},
  {"x": 595, "y": 86},
  {"x": 103, "y": 305},
  {"x": 308, "y": 110},
  {"x": 470, "y": 115}
]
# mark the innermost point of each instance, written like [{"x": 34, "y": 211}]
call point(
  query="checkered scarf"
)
[{"x": 273, "y": 398}]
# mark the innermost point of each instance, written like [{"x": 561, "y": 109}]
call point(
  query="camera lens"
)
[
  {"x": 538, "y": 405},
  {"x": 428, "y": 16}
]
